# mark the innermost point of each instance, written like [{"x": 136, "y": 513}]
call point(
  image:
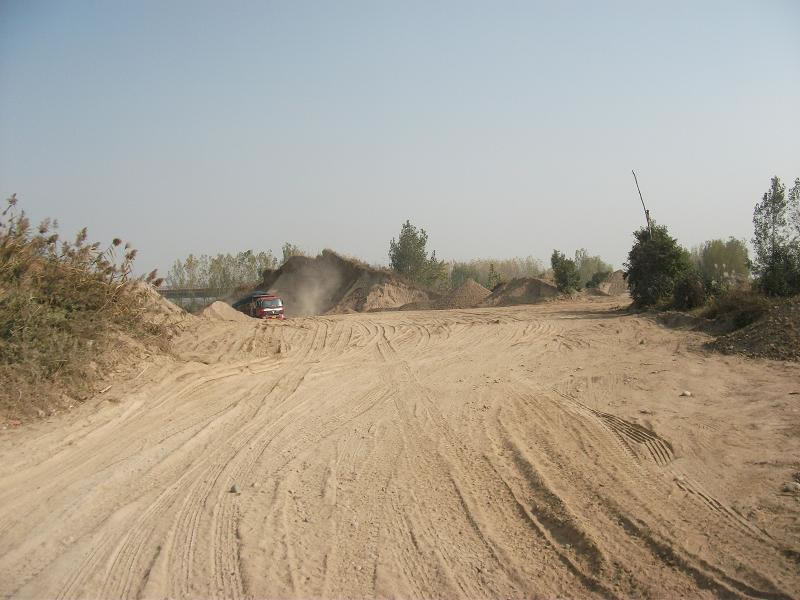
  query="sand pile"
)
[
  {"x": 776, "y": 335},
  {"x": 332, "y": 284},
  {"x": 524, "y": 290},
  {"x": 220, "y": 311},
  {"x": 614, "y": 285},
  {"x": 158, "y": 310},
  {"x": 468, "y": 295}
]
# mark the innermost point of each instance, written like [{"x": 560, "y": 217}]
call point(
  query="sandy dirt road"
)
[{"x": 537, "y": 451}]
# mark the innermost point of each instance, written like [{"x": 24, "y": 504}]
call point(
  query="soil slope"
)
[
  {"x": 614, "y": 285},
  {"x": 532, "y": 451}
]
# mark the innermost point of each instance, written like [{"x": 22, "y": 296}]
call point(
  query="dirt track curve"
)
[{"x": 535, "y": 451}]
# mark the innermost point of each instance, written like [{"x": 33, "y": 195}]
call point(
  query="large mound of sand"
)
[
  {"x": 614, "y": 285},
  {"x": 468, "y": 295},
  {"x": 330, "y": 283},
  {"x": 220, "y": 311},
  {"x": 524, "y": 290}
]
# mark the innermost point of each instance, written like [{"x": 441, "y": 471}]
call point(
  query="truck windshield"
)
[{"x": 271, "y": 303}]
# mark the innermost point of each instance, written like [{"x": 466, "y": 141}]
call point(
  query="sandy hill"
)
[
  {"x": 468, "y": 295},
  {"x": 330, "y": 283},
  {"x": 614, "y": 285},
  {"x": 221, "y": 311},
  {"x": 523, "y": 290}
]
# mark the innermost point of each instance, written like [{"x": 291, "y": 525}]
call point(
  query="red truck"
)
[{"x": 261, "y": 305}]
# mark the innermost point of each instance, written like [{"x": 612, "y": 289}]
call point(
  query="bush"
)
[
  {"x": 598, "y": 278},
  {"x": 503, "y": 269},
  {"x": 589, "y": 267},
  {"x": 689, "y": 292},
  {"x": 721, "y": 263},
  {"x": 741, "y": 307},
  {"x": 655, "y": 262},
  {"x": 565, "y": 273},
  {"x": 60, "y": 303}
]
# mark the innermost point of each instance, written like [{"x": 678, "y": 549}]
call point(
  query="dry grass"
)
[
  {"x": 736, "y": 308},
  {"x": 62, "y": 303}
]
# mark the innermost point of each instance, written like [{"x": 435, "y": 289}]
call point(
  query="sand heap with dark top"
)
[{"x": 524, "y": 290}]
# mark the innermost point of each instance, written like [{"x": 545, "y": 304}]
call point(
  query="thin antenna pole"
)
[{"x": 646, "y": 212}]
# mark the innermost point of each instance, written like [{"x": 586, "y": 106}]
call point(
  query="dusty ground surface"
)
[{"x": 499, "y": 452}]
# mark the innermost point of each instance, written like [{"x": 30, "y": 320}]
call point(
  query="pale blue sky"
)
[{"x": 503, "y": 128}]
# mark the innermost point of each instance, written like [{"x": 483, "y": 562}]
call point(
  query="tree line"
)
[
  {"x": 409, "y": 256},
  {"x": 660, "y": 272},
  {"x": 226, "y": 272}
]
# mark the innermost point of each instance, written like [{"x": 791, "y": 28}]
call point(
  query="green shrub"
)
[
  {"x": 565, "y": 273},
  {"x": 60, "y": 303},
  {"x": 689, "y": 292},
  {"x": 655, "y": 262},
  {"x": 598, "y": 278},
  {"x": 741, "y": 307}
]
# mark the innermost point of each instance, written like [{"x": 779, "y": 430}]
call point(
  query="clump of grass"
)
[
  {"x": 739, "y": 307},
  {"x": 61, "y": 304}
]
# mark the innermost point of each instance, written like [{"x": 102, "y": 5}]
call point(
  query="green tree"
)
[
  {"x": 494, "y": 278},
  {"x": 408, "y": 256},
  {"x": 721, "y": 262},
  {"x": 565, "y": 272},
  {"x": 655, "y": 262},
  {"x": 776, "y": 245},
  {"x": 460, "y": 272},
  {"x": 588, "y": 266},
  {"x": 434, "y": 273},
  {"x": 290, "y": 250},
  {"x": 794, "y": 210},
  {"x": 223, "y": 272}
]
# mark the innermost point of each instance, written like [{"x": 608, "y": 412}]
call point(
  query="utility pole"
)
[{"x": 646, "y": 212}]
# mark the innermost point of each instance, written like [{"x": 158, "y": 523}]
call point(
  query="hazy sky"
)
[{"x": 502, "y": 128}]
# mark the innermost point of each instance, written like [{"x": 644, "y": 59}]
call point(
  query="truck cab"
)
[{"x": 261, "y": 305}]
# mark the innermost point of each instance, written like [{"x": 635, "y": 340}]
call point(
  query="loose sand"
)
[
  {"x": 533, "y": 451},
  {"x": 221, "y": 311},
  {"x": 468, "y": 295},
  {"x": 615, "y": 284}
]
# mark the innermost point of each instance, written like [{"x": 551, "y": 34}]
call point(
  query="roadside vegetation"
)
[
  {"x": 65, "y": 306},
  {"x": 718, "y": 280}
]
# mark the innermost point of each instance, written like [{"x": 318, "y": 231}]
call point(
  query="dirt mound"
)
[
  {"x": 595, "y": 292},
  {"x": 524, "y": 290},
  {"x": 776, "y": 335},
  {"x": 614, "y": 285},
  {"x": 468, "y": 295},
  {"x": 220, "y": 311},
  {"x": 330, "y": 283}
]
